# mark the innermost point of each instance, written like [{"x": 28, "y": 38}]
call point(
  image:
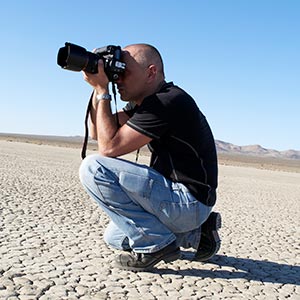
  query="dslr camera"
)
[{"x": 76, "y": 58}]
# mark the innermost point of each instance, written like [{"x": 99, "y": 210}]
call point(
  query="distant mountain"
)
[{"x": 255, "y": 150}]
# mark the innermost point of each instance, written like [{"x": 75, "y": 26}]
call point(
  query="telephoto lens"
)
[{"x": 76, "y": 58}]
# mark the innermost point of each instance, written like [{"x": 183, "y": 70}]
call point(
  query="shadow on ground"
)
[{"x": 247, "y": 268}]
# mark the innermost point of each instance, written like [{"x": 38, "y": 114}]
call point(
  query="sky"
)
[{"x": 239, "y": 60}]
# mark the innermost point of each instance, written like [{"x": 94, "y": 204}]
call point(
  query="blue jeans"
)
[{"x": 147, "y": 211}]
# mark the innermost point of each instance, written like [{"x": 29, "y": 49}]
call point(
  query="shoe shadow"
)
[{"x": 246, "y": 268}]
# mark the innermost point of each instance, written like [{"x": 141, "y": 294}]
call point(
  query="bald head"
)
[
  {"x": 144, "y": 73},
  {"x": 146, "y": 55}
]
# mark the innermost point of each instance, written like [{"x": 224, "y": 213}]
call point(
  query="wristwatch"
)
[{"x": 103, "y": 97}]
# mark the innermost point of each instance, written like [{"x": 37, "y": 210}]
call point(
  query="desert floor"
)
[{"x": 51, "y": 244}]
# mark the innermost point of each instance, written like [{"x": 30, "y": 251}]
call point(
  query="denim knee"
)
[{"x": 85, "y": 169}]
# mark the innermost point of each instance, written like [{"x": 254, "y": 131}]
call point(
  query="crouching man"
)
[{"x": 153, "y": 210}]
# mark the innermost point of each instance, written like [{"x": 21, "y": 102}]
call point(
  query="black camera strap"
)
[
  {"x": 88, "y": 109},
  {"x": 86, "y": 135},
  {"x": 115, "y": 99}
]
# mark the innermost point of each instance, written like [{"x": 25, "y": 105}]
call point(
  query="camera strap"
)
[
  {"x": 88, "y": 109},
  {"x": 86, "y": 135},
  {"x": 115, "y": 99}
]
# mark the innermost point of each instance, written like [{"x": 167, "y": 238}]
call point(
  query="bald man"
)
[{"x": 153, "y": 210}]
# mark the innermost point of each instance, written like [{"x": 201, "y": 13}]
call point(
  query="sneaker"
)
[
  {"x": 210, "y": 242},
  {"x": 144, "y": 261}
]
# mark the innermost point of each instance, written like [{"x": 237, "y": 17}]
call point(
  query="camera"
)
[{"x": 76, "y": 58}]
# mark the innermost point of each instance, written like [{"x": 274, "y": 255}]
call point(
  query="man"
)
[{"x": 153, "y": 210}]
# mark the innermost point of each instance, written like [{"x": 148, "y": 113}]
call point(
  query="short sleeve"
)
[
  {"x": 130, "y": 108},
  {"x": 150, "y": 118}
]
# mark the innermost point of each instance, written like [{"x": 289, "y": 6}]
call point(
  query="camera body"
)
[{"x": 76, "y": 58}]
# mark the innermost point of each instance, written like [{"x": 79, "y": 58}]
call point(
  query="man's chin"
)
[
  {"x": 123, "y": 97},
  {"x": 121, "y": 94}
]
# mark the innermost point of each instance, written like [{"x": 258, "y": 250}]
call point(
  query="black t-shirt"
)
[{"x": 183, "y": 147}]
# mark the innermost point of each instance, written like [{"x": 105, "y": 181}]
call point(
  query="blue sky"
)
[{"x": 239, "y": 59}]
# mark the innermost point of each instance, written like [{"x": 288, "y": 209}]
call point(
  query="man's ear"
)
[{"x": 152, "y": 71}]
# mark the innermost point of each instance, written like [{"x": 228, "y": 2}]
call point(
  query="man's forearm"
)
[
  {"x": 93, "y": 115},
  {"x": 122, "y": 117},
  {"x": 101, "y": 119},
  {"x": 106, "y": 122}
]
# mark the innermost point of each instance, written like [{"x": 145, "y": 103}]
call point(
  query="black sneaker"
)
[
  {"x": 144, "y": 261},
  {"x": 210, "y": 242}
]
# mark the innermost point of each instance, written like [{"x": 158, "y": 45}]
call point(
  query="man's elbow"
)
[{"x": 106, "y": 151}]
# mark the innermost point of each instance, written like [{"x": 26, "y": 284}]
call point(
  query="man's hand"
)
[{"x": 98, "y": 81}]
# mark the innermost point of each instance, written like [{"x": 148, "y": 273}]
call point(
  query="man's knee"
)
[{"x": 87, "y": 168}]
